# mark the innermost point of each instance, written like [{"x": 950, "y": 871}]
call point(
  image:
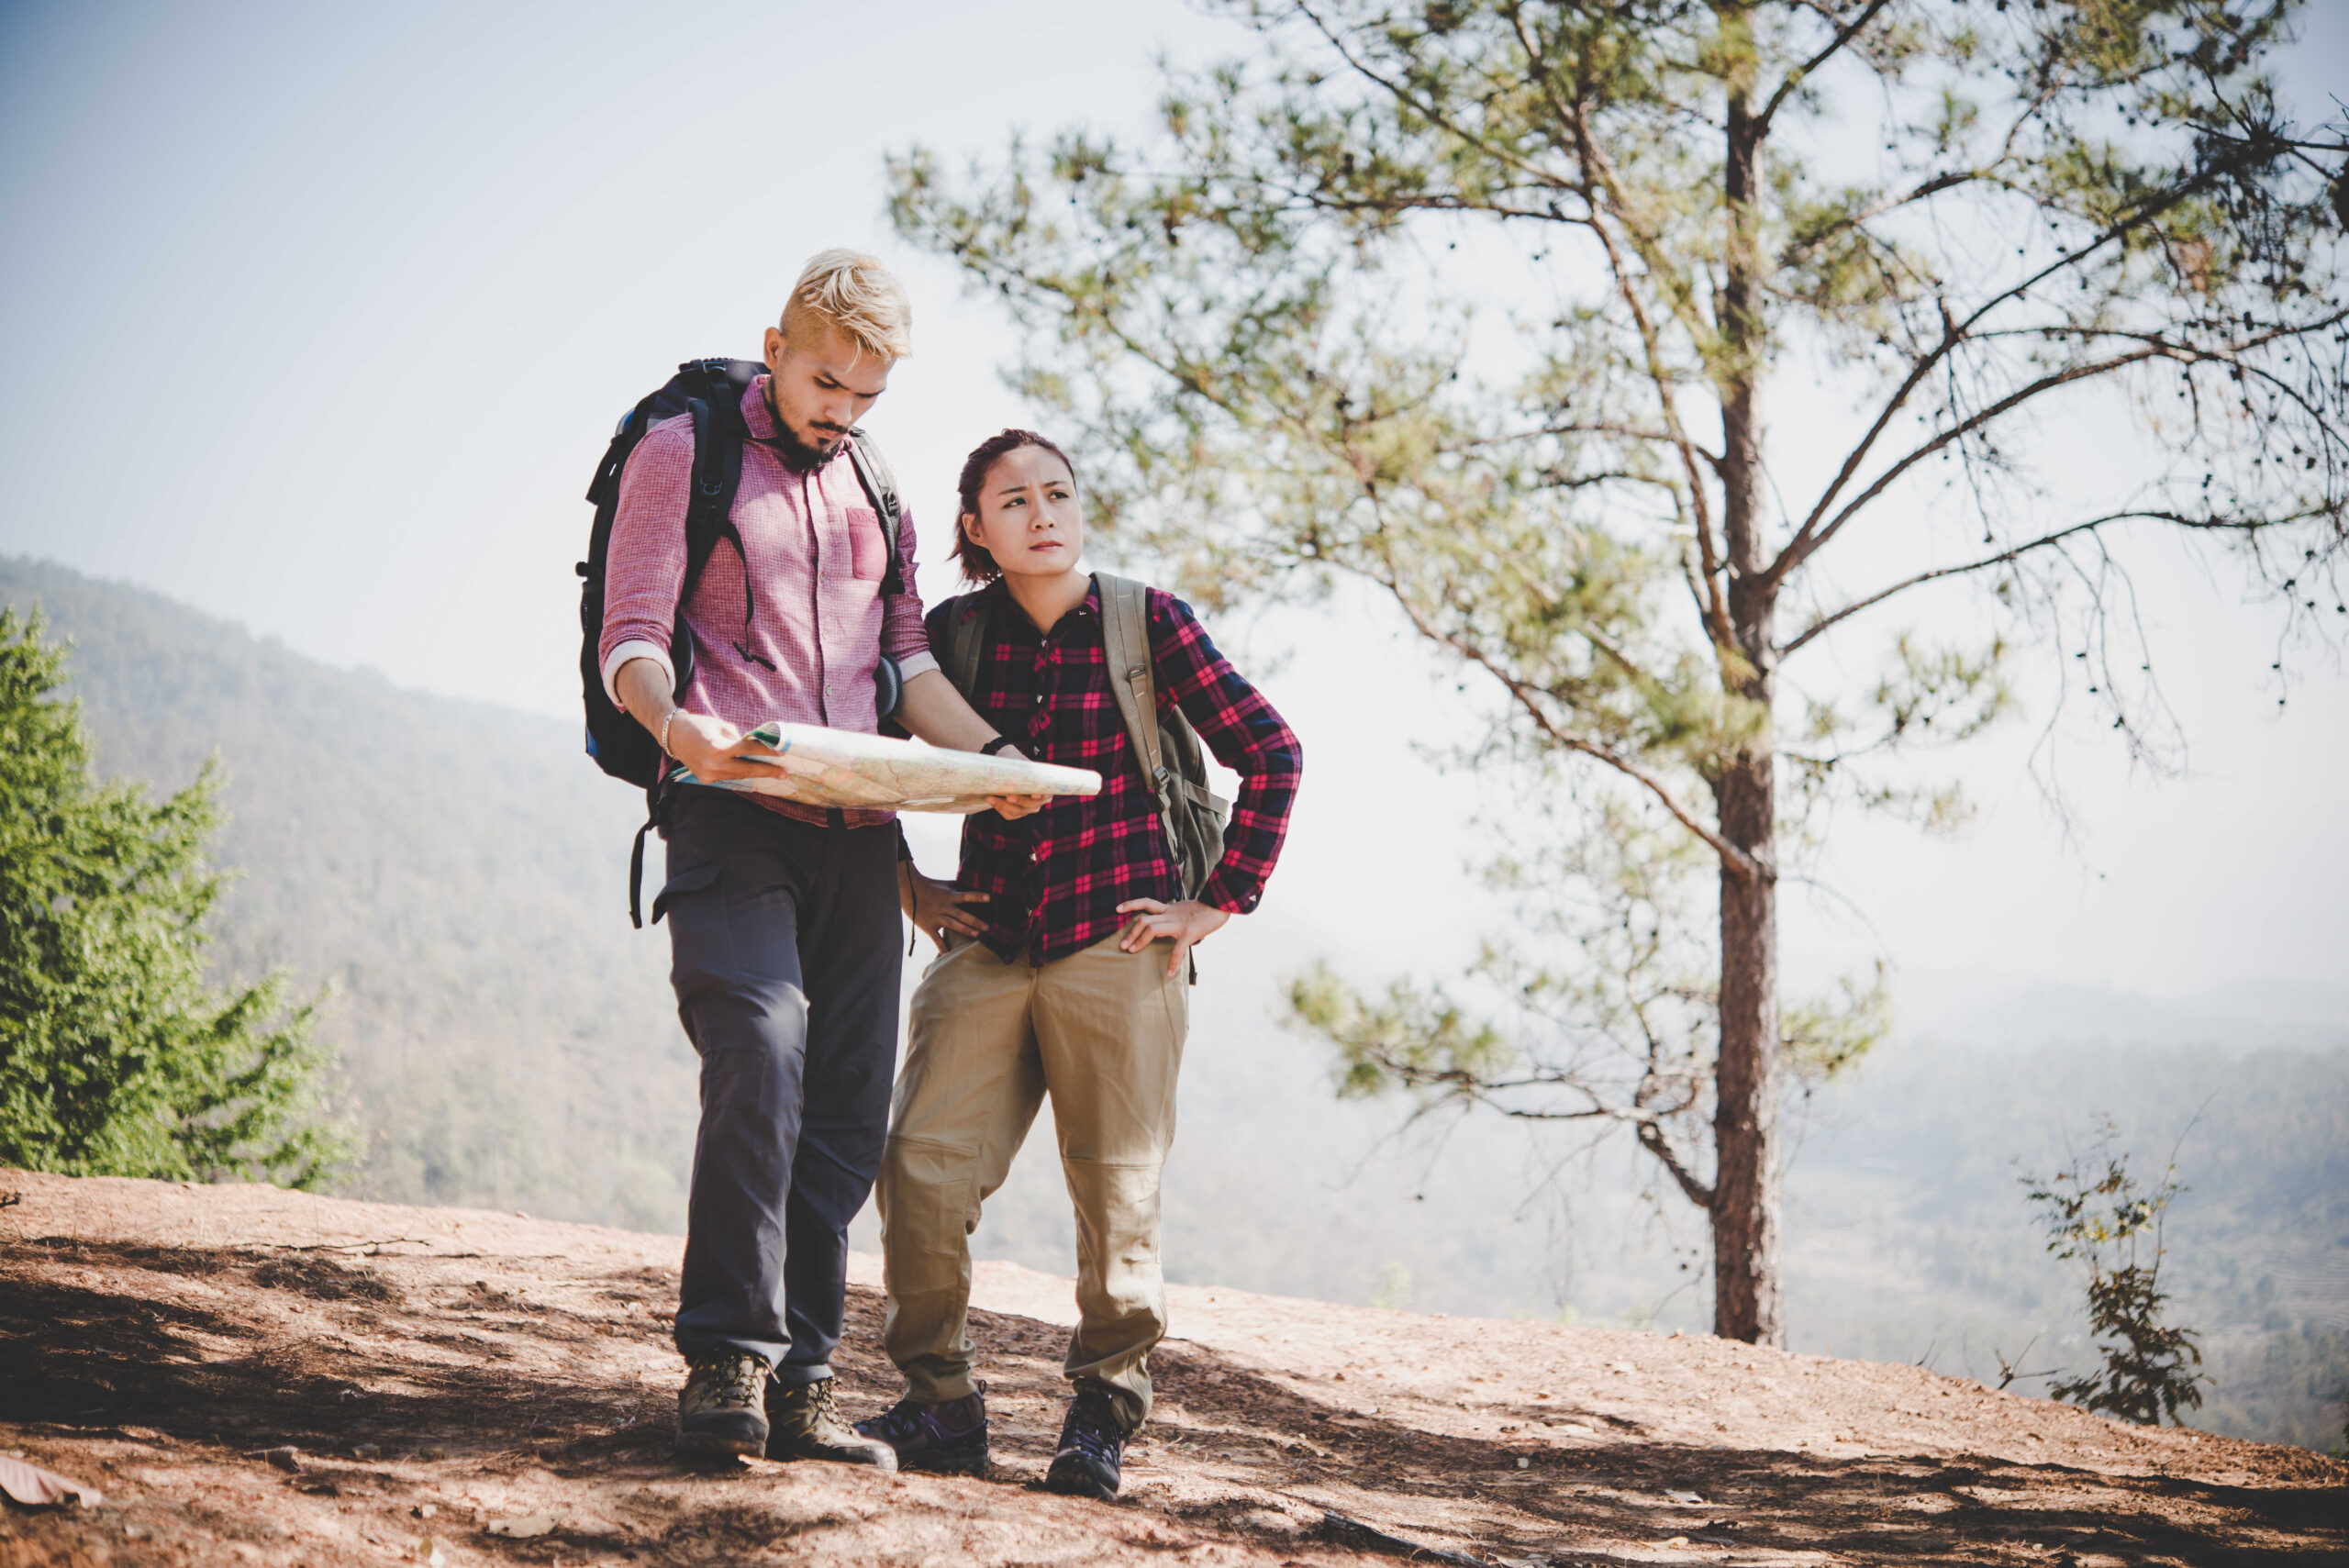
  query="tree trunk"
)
[
  {"x": 1745, "y": 1083},
  {"x": 1745, "y": 1185}
]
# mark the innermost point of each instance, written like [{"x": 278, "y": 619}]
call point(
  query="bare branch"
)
[
  {"x": 2091, "y": 525},
  {"x": 1626, "y": 432},
  {"x": 1795, "y": 78},
  {"x": 1809, "y": 538},
  {"x": 1555, "y": 479},
  {"x": 1931, "y": 187},
  {"x": 1652, "y": 1139},
  {"x": 1800, "y": 547}
]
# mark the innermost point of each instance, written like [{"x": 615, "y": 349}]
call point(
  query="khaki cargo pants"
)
[{"x": 1101, "y": 1032}]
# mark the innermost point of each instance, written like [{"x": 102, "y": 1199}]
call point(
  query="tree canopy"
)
[{"x": 117, "y": 1058}]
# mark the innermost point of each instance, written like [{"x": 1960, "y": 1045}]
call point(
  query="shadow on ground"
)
[{"x": 405, "y": 1373}]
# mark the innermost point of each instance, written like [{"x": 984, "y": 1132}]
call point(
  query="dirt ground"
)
[{"x": 473, "y": 1389}]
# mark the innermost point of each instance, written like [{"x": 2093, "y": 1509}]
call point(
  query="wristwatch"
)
[{"x": 997, "y": 744}]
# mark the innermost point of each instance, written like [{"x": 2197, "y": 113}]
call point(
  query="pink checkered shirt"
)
[{"x": 816, "y": 555}]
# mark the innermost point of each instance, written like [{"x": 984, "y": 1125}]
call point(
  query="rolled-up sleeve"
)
[
  {"x": 1246, "y": 736},
  {"x": 903, "y": 636},
  {"x": 644, "y": 564}
]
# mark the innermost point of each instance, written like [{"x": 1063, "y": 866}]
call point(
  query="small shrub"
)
[{"x": 2095, "y": 1213}]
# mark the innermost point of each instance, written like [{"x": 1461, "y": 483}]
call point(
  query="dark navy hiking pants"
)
[{"x": 784, "y": 951}]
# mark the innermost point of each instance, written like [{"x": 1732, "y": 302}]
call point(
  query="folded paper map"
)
[{"x": 837, "y": 767}]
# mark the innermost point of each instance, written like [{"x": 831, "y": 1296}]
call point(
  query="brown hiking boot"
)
[
  {"x": 805, "y": 1423},
  {"x": 719, "y": 1412}
]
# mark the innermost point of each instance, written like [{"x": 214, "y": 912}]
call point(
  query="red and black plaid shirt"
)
[{"x": 1054, "y": 880}]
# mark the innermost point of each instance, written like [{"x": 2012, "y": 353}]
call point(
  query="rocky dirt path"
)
[{"x": 472, "y": 1388}]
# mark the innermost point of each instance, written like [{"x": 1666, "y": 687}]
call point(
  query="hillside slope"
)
[{"x": 501, "y": 1387}]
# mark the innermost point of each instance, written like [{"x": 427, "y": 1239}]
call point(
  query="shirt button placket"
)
[{"x": 1040, "y": 719}]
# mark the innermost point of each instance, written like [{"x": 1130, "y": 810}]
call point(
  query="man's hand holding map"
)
[{"x": 837, "y": 767}]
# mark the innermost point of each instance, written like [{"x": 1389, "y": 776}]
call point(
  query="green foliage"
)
[
  {"x": 115, "y": 1059},
  {"x": 2095, "y": 1213},
  {"x": 1825, "y": 1037},
  {"x": 1414, "y": 1036}
]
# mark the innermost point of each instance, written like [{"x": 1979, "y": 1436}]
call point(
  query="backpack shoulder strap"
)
[
  {"x": 1125, "y": 641},
  {"x": 966, "y": 641},
  {"x": 880, "y": 481},
  {"x": 717, "y": 475},
  {"x": 718, "y": 437}
]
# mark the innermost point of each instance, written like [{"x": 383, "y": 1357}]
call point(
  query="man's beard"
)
[{"x": 796, "y": 454}]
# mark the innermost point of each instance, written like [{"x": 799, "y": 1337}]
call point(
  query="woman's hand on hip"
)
[
  {"x": 1187, "y": 923},
  {"x": 936, "y": 907}
]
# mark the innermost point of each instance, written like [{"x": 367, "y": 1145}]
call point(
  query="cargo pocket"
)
[{"x": 693, "y": 879}]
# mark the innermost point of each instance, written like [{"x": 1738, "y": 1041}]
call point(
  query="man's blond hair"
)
[{"x": 856, "y": 295}]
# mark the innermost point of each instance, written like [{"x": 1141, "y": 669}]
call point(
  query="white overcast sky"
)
[{"x": 317, "y": 316}]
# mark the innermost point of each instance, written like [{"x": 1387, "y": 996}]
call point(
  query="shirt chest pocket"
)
[{"x": 868, "y": 552}]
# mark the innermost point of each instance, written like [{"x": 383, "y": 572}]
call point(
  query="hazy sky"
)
[{"x": 318, "y": 317}]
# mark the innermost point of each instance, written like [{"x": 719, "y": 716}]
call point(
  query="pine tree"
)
[
  {"x": 115, "y": 1057},
  {"x": 1478, "y": 305}
]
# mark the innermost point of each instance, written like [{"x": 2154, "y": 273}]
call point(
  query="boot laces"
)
[
  {"x": 1092, "y": 1428},
  {"x": 823, "y": 1410},
  {"x": 723, "y": 1381},
  {"x": 900, "y": 1423}
]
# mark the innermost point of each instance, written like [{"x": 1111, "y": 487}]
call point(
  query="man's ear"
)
[{"x": 777, "y": 345}]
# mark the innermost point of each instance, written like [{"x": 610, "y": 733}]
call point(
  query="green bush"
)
[
  {"x": 115, "y": 1057},
  {"x": 2103, "y": 1219}
]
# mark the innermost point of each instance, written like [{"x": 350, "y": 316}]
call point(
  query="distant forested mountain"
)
[{"x": 455, "y": 873}]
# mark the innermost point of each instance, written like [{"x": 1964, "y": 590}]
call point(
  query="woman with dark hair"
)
[{"x": 1063, "y": 946}]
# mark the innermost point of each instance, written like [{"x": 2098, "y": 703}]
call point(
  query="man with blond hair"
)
[{"x": 783, "y": 919}]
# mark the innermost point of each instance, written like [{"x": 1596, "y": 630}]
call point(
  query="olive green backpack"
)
[{"x": 1167, "y": 747}]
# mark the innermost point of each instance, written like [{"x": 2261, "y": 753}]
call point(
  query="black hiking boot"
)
[
  {"x": 1092, "y": 1447},
  {"x": 949, "y": 1438},
  {"x": 719, "y": 1414},
  {"x": 806, "y": 1422}
]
